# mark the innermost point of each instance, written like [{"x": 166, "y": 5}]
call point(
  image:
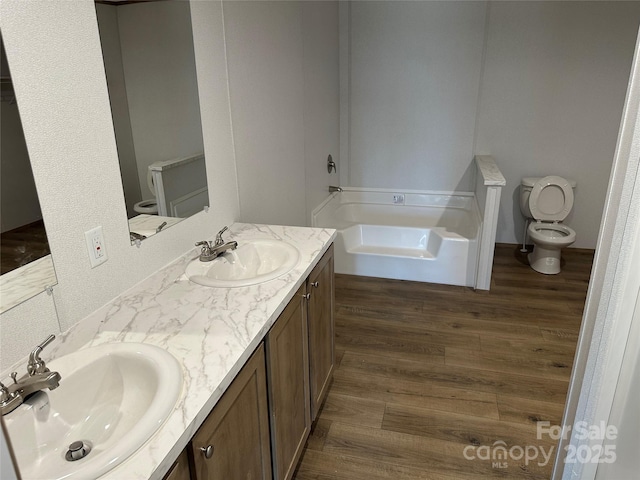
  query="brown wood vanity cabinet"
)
[
  {"x": 288, "y": 380},
  {"x": 300, "y": 358},
  {"x": 233, "y": 442},
  {"x": 180, "y": 469},
  {"x": 259, "y": 427},
  {"x": 320, "y": 319}
]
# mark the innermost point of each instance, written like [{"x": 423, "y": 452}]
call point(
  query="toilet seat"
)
[
  {"x": 150, "y": 207},
  {"x": 544, "y": 195},
  {"x": 551, "y": 234}
]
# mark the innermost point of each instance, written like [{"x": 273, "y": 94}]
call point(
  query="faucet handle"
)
[
  {"x": 36, "y": 364},
  {"x": 219, "y": 240}
]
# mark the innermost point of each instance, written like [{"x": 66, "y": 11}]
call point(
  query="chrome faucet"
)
[
  {"x": 212, "y": 250},
  {"x": 334, "y": 189},
  {"x": 38, "y": 378}
]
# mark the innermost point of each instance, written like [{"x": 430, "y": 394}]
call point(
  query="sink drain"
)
[{"x": 77, "y": 450}]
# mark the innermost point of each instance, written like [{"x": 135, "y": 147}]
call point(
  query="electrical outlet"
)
[
  {"x": 96, "y": 247},
  {"x": 398, "y": 199}
]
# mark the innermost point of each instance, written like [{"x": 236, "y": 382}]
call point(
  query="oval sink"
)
[
  {"x": 251, "y": 263},
  {"x": 112, "y": 397}
]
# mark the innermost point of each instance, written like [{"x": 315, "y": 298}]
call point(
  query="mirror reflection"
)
[
  {"x": 26, "y": 267},
  {"x": 151, "y": 76}
]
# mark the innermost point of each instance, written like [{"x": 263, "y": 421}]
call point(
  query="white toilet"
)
[
  {"x": 149, "y": 206},
  {"x": 547, "y": 201}
]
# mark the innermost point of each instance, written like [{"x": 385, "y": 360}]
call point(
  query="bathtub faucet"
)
[{"x": 334, "y": 189}]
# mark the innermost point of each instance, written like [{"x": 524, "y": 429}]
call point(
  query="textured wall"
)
[{"x": 54, "y": 53}]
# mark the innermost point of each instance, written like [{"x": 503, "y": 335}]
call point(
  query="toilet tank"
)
[{"x": 526, "y": 185}]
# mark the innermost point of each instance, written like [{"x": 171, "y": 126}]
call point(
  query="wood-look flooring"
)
[{"x": 425, "y": 371}]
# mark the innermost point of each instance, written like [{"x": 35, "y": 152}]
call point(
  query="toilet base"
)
[{"x": 545, "y": 260}]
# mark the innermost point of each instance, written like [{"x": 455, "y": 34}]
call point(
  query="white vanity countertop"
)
[
  {"x": 146, "y": 225},
  {"x": 211, "y": 331}
]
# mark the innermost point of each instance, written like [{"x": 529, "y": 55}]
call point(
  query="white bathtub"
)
[{"x": 421, "y": 236}]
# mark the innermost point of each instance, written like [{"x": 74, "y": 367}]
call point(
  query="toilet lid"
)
[{"x": 551, "y": 199}]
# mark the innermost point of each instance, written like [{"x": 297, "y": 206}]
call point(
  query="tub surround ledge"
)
[
  {"x": 491, "y": 174},
  {"x": 211, "y": 331}
]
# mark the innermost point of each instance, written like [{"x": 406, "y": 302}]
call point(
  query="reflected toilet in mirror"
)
[{"x": 150, "y": 67}]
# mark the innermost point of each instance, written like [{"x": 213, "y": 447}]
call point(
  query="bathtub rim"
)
[{"x": 475, "y": 208}]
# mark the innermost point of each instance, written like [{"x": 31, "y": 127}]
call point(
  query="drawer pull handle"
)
[
  {"x": 315, "y": 284},
  {"x": 306, "y": 296},
  {"x": 207, "y": 451}
]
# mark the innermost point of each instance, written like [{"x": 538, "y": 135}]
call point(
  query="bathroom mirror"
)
[
  {"x": 26, "y": 264},
  {"x": 150, "y": 66}
]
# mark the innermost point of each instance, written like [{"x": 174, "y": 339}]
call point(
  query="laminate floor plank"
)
[
  {"x": 345, "y": 467},
  {"x": 566, "y": 335},
  {"x": 536, "y": 387},
  {"x": 548, "y": 366},
  {"x": 417, "y": 451},
  {"x": 318, "y": 434},
  {"x": 436, "y": 323},
  {"x": 417, "y": 393},
  {"x": 538, "y": 346},
  {"x": 525, "y": 410},
  {"x": 457, "y": 428},
  {"x": 426, "y": 374},
  {"x": 357, "y": 410},
  {"x": 416, "y": 333}
]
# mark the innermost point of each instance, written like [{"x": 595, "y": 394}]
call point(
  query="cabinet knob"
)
[
  {"x": 315, "y": 284},
  {"x": 207, "y": 451},
  {"x": 306, "y": 296}
]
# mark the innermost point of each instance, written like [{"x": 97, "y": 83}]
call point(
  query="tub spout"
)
[{"x": 334, "y": 189}]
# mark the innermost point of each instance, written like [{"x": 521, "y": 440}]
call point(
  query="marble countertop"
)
[
  {"x": 146, "y": 225},
  {"x": 211, "y": 331}
]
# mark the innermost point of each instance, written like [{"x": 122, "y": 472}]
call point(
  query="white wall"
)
[
  {"x": 67, "y": 125},
  {"x": 555, "y": 77},
  {"x": 537, "y": 85},
  {"x": 321, "y": 99},
  {"x": 283, "y": 72},
  {"x": 264, "y": 55},
  {"x": 414, "y": 78}
]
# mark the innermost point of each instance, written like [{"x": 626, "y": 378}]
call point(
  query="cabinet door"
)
[
  {"x": 288, "y": 379},
  {"x": 180, "y": 469},
  {"x": 237, "y": 430},
  {"x": 321, "y": 329}
]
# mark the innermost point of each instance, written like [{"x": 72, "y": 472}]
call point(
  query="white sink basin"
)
[
  {"x": 113, "y": 397},
  {"x": 251, "y": 263}
]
